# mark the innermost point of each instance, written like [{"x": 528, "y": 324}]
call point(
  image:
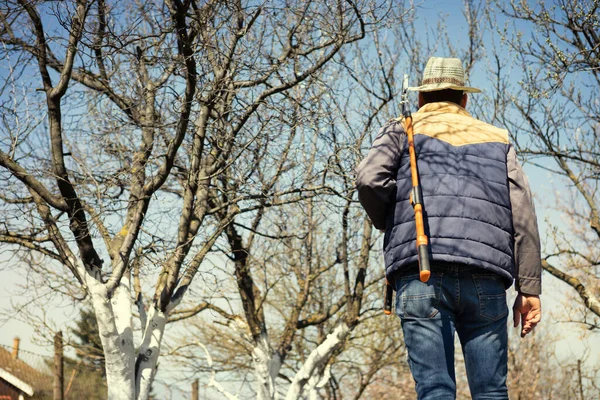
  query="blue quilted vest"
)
[{"x": 466, "y": 200}]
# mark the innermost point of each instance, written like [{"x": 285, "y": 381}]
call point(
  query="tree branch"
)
[
  {"x": 21, "y": 174},
  {"x": 179, "y": 315},
  {"x": 590, "y": 301}
]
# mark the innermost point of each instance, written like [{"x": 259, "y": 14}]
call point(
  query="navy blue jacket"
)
[
  {"x": 466, "y": 202},
  {"x": 470, "y": 185}
]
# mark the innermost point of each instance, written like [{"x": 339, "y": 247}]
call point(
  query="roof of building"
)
[{"x": 22, "y": 375}]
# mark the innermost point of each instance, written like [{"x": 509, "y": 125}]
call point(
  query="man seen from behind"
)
[{"x": 481, "y": 224}]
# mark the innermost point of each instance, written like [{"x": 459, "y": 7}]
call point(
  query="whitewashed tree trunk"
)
[
  {"x": 316, "y": 382},
  {"x": 315, "y": 363},
  {"x": 266, "y": 369},
  {"x": 116, "y": 333},
  {"x": 126, "y": 380},
  {"x": 149, "y": 351}
]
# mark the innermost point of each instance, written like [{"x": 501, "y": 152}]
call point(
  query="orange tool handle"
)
[
  {"x": 414, "y": 174},
  {"x": 416, "y": 200}
]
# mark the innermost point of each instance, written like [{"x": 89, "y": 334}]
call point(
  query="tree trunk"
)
[
  {"x": 148, "y": 352},
  {"x": 266, "y": 369},
  {"x": 59, "y": 382},
  {"x": 195, "y": 391},
  {"x": 117, "y": 338},
  {"x": 314, "y": 364}
]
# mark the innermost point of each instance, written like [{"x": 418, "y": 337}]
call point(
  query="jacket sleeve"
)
[
  {"x": 376, "y": 174},
  {"x": 528, "y": 277}
]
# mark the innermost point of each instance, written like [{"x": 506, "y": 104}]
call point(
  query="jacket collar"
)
[{"x": 444, "y": 107}]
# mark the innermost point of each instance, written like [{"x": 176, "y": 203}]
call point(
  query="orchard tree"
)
[
  {"x": 123, "y": 124},
  {"x": 312, "y": 269},
  {"x": 301, "y": 268}
]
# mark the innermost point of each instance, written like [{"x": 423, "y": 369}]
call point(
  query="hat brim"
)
[{"x": 432, "y": 87}]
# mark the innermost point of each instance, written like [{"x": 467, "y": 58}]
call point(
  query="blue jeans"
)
[{"x": 461, "y": 299}]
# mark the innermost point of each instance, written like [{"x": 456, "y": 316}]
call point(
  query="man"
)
[{"x": 480, "y": 220}]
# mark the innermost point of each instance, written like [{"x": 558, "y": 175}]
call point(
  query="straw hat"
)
[{"x": 444, "y": 73}]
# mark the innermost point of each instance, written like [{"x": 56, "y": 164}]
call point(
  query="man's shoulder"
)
[
  {"x": 459, "y": 129},
  {"x": 394, "y": 126},
  {"x": 490, "y": 132}
]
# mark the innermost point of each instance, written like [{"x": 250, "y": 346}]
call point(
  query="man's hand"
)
[{"x": 528, "y": 309}]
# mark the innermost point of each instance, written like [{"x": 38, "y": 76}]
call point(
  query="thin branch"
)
[
  {"x": 21, "y": 174},
  {"x": 590, "y": 301},
  {"x": 179, "y": 315}
]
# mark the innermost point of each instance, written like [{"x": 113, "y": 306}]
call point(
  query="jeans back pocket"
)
[
  {"x": 416, "y": 299},
  {"x": 492, "y": 296}
]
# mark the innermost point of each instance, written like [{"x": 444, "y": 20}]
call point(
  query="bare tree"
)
[
  {"x": 300, "y": 281},
  {"x": 304, "y": 275},
  {"x": 147, "y": 109}
]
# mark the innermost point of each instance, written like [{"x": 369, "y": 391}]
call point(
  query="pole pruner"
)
[{"x": 416, "y": 200}]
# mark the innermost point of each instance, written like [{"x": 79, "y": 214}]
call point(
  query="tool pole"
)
[
  {"x": 416, "y": 200},
  {"x": 416, "y": 195},
  {"x": 387, "y": 299}
]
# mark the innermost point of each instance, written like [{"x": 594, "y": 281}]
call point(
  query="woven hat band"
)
[{"x": 453, "y": 81}]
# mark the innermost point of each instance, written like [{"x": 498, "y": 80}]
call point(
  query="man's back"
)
[
  {"x": 482, "y": 229},
  {"x": 463, "y": 175}
]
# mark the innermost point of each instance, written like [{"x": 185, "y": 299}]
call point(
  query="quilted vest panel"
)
[{"x": 466, "y": 203}]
